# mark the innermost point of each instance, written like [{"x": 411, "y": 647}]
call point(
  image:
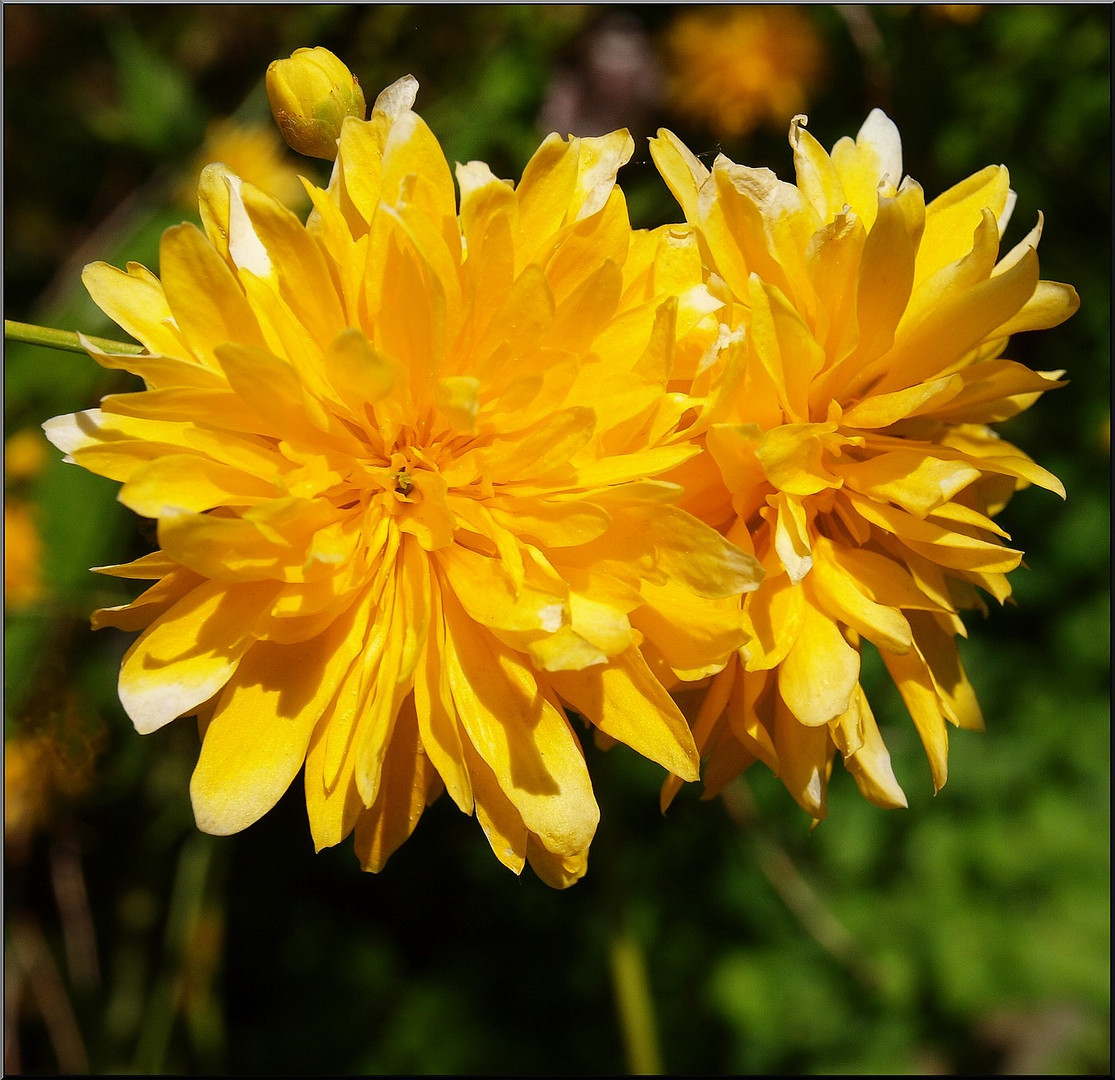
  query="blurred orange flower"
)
[
  {"x": 52, "y": 758},
  {"x": 26, "y": 788},
  {"x": 737, "y": 68},
  {"x": 25, "y": 454},
  {"x": 956, "y": 13},
  {"x": 23, "y": 547}
]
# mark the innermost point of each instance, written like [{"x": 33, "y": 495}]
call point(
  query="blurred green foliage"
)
[{"x": 969, "y": 934}]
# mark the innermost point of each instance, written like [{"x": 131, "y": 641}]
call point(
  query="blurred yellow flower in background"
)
[
  {"x": 24, "y": 457},
  {"x": 27, "y": 788},
  {"x": 23, "y": 553},
  {"x": 25, "y": 454},
  {"x": 847, "y": 432},
  {"x": 964, "y": 14},
  {"x": 738, "y": 68},
  {"x": 255, "y": 153},
  {"x": 52, "y": 759},
  {"x": 405, "y": 467}
]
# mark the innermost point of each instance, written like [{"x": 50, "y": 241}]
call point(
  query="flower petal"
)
[
  {"x": 408, "y": 785},
  {"x": 865, "y": 755},
  {"x": 190, "y": 652},
  {"x": 526, "y": 742},
  {"x": 624, "y": 700},
  {"x": 256, "y": 741},
  {"x": 820, "y": 672}
]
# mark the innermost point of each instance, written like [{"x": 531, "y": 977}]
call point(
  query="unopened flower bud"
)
[{"x": 311, "y": 93}]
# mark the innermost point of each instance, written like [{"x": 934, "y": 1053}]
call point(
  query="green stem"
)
[
  {"x": 165, "y": 1000},
  {"x": 62, "y": 339},
  {"x": 636, "y": 1009}
]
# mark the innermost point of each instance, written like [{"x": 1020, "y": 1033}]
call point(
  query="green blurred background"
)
[{"x": 969, "y": 934}]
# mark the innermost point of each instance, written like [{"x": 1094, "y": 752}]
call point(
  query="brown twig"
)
[
  {"x": 795, "y": 891},
  {"x": 30, "y": 953}
]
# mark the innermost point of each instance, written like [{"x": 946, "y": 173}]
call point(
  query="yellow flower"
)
[
  {"x": 737, "y": 68},
  {"x": 847, "y": 430},
  {"x": 24, "y": 458},
  {"x": 47, "y": 764},
  {"x": 957, "y": 13},
  {"x": 256, "y": 154},
  {"x": 23, "y": 555},
  {"x": 25, "y": 454},
  {"x": 27, "y": 789},
  {"x": 404, "y": 463},
  {"x": 312, "y": 93}
]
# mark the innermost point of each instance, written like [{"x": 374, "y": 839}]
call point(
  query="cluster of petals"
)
[
  {"x": 408, "y": 463},
  {"x": 846, "y": 422}
]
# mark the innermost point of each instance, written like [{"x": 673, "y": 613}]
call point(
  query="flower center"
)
[{"x": 403, "y": 483}]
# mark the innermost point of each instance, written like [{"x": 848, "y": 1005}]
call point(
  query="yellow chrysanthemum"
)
[
  {"x": 846, "y": 419},
  {"x": 404, "y": 466},
  {"x": 735, "y": 69}
]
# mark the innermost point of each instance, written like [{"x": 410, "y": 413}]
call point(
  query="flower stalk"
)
[
  {"x": 635, "y": 1005},
  {"x": 66, "y": 340}
]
